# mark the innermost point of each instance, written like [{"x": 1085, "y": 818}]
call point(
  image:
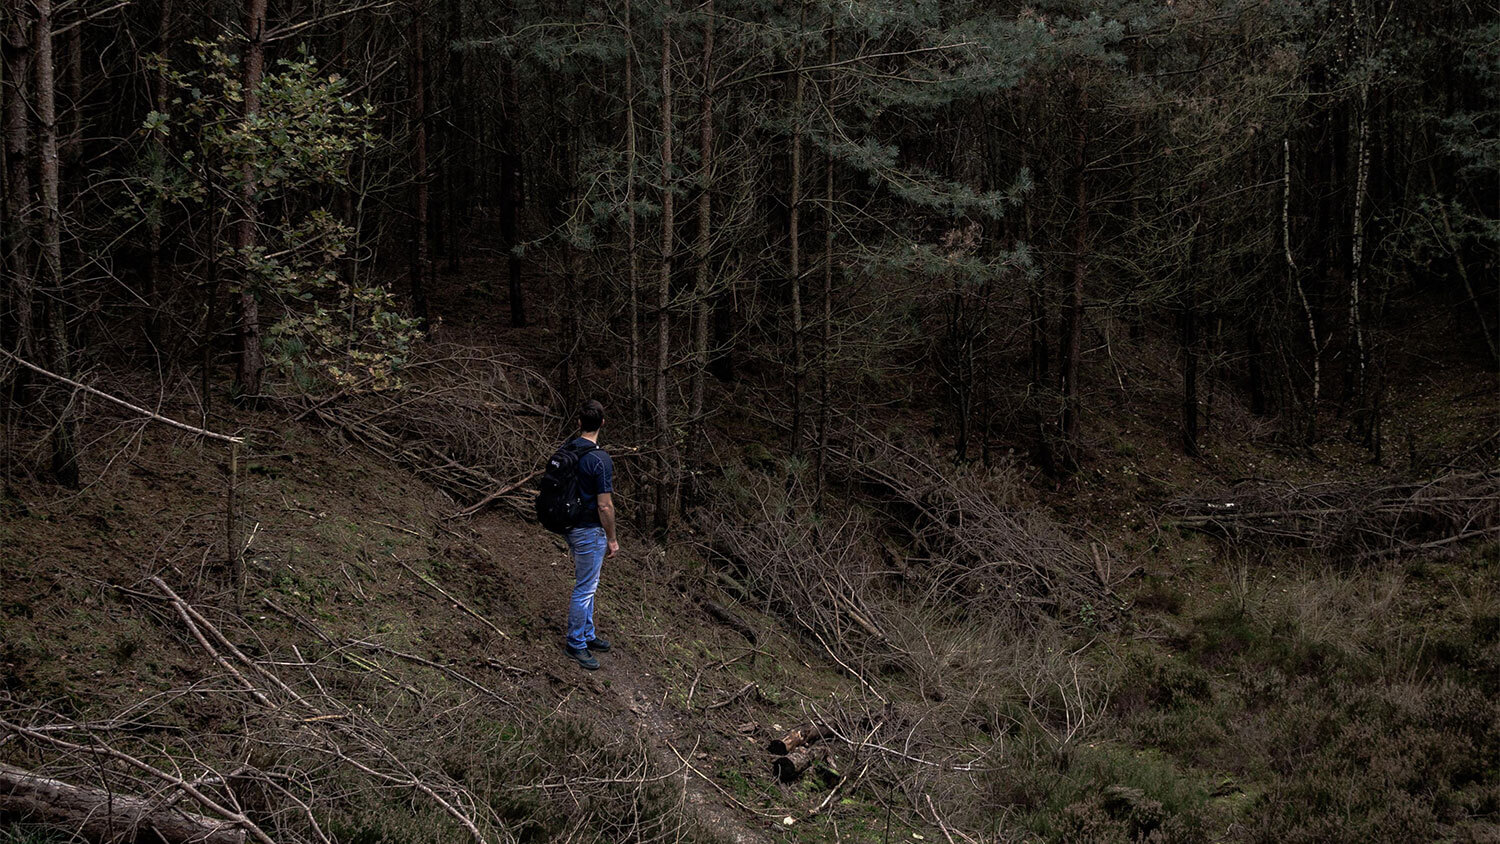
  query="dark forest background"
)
[
  {"x": 974, "y": 207},
  {"x": 1080, "y": 418}
]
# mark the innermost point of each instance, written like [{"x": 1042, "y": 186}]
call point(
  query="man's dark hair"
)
[{"x": 590, "y": 416}]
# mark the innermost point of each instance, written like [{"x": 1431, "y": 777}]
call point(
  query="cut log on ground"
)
[
  {"x": 791, "y": 767},
  {"x": 104, "y": 816},
  {"x": 800, "y": 737}
]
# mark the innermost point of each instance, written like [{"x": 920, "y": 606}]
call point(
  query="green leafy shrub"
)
[{"x": 327, "y": 324}]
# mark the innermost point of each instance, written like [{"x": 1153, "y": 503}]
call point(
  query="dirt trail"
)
[
  {"x": 627, "y": 686},
  {"x": 639, "y": 694}
]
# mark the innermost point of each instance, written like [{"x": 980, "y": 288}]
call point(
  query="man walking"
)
[{"x": 593, "y": 538}]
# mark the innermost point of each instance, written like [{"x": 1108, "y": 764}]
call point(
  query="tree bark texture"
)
[
  {"x": 1357, "y": 251},
  {"x": 458, "y": 175},
  {"x": 1189, "y": 331}
]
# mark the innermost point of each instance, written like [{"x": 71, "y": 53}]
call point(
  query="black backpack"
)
[{"x": 559, "y": 503}]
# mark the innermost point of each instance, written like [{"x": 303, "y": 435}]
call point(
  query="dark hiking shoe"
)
[
  {"x": 583, "y": 657},
  {"x": 600, "y": 645}
]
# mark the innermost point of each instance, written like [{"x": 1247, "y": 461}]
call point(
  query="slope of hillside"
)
[
  {"x": 351, "y": 562},
  {"x": 997, "y": 656}
]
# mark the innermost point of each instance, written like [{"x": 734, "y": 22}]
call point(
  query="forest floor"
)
[
  {"x": 1241, "y": 694},
  {"x": 332, "y": 526}
]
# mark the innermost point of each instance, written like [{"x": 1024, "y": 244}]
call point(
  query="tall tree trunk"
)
[
  {"x": 1188, "y": 326},
  {"x": 1072, "y": 345},
  {"x": 210, "y": 337},
  {"x": 1039, "y": 350},
  {"x": 725, "y": 316},
  {"x": 247, "y": 237},
  {"x": 1357, "y": 381},
  {"x": 417, "y": 94},
  {"x": 633, "y": 259},
  {"x": 18, "y": 199},
  {"x": 794, "y": 235},
  {"x": 575, "y": 359},
  {"x": 1361, "y": 131},
  {"x": 349, "y": 214},
  {"x": 510, "y": 191},
  {"x": 1039, "y": 357},
  {"x": 825, "y": 345},
  {"x": 1455, "y": 246},
  {"x": 457, "y": 176},
  {"x": 1296, "y": 282},
  {"x": 958, "y": 369},
  {"x": 64, "y": 432},
  {"x": 666, "y": 480},
  {"x": 1254, "y": 354},
  {"x": 72, "y": 147},
  {"x": 573, "y": 212},
  {"x": 155, "y": 283},
  {"x": 705, "y": 209}
]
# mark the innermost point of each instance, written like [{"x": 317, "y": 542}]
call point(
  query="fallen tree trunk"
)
[
  {"x": 105, "y": 816},
  {"x": 728, "y": 619}
]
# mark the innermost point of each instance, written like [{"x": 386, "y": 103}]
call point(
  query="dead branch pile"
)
[
  {"x": 818, "y": 576},
  {"x": 1362, "y": 519},
  {"x": 955, "y": 659},
  {"x": 473, "y": 425},
  {"x": 897, "y": 749},
  {"x": 973, "y": 550},
  {"x": 338, "y": 739},
  {"x": 876, "y": 613}
]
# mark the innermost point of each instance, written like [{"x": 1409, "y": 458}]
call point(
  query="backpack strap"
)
[{"x": 579, "y": 452}]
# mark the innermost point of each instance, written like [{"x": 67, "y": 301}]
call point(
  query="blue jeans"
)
[{"x": 587, "y": 544}]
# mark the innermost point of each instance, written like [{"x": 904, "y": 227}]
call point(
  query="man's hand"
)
[{"x": 614, "y": 548}]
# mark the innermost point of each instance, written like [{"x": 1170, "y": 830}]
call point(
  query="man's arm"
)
[{"x": 606, "y": 502}]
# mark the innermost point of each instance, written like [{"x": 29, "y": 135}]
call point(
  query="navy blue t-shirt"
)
[{"x": 596, "y": 474}]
